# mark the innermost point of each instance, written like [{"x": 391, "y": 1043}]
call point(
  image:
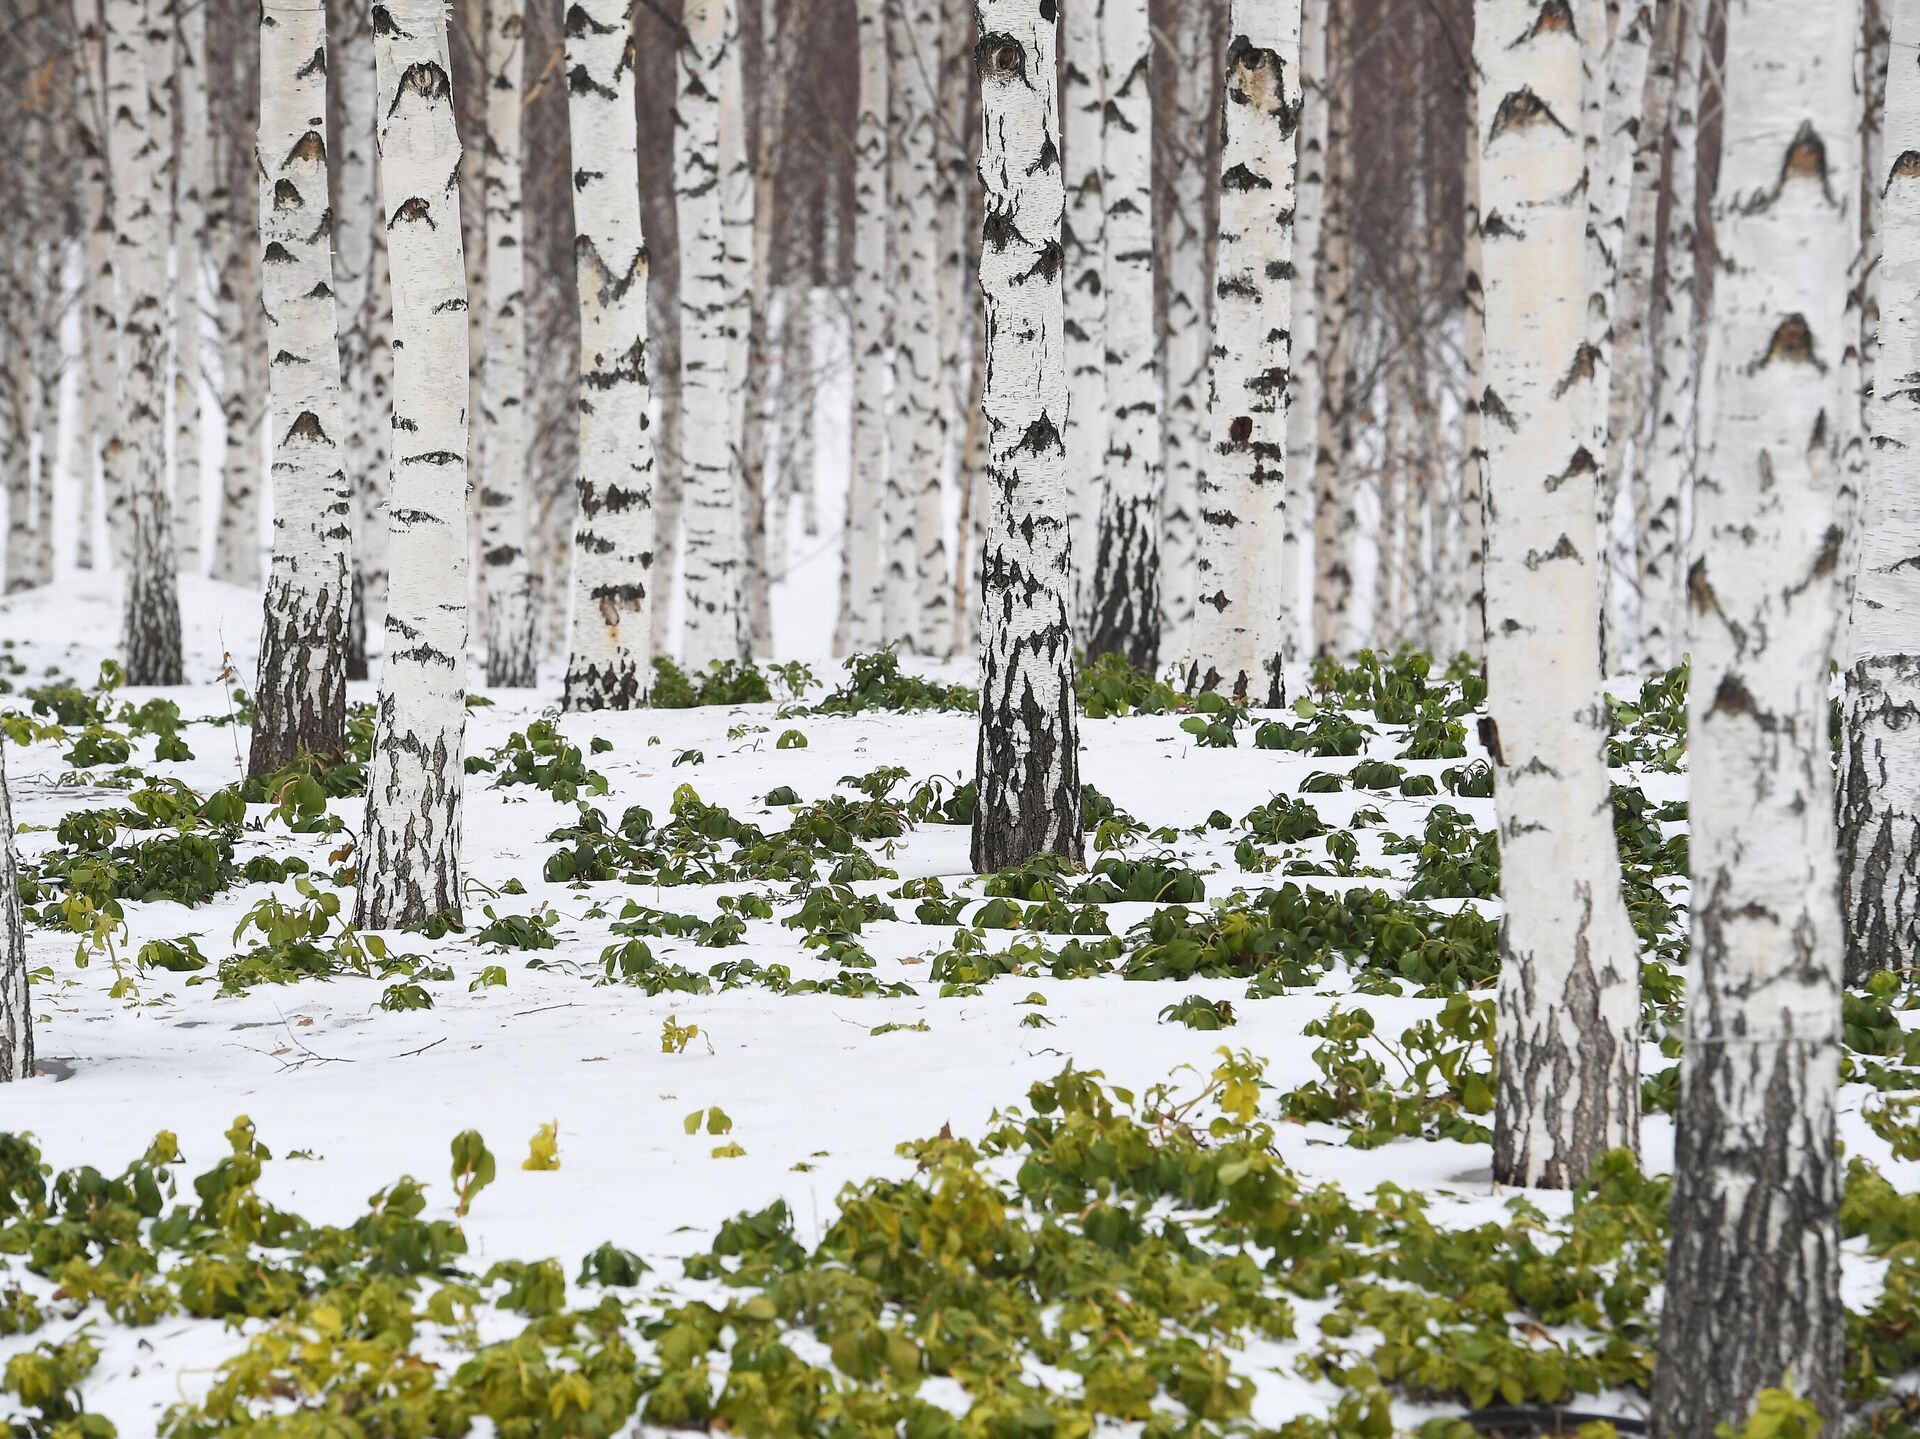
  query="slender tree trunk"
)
[
  {"x": 1671, "y": 445},
  {"x": 359, "y": 266},
  {"x": 916, "y": 597},
  {"x": 668, "y": 476},
  {"x": 1332, "y": 507},
  {"x": 1473, "y": 311},
  {"x": 1303, "y": 404},
  {"x": 16, "y": 420},
  {"x": 1126, "y": 572},
  {"x": 150, "y": 637},
  {"x": 189, "y": 248},
  {"x": 766, "y": 119},
  {"x": 1242, "y": 618},
  {"x": 1085, "y": 106},
  {"x": 1880, "y": 797},
  {"x": 1188, "y": 336},
  {"x": 710, "y": 559},
  {"x": 16, "y": 1005},
  {"x": 49, "y": 367},
  {"x": 1623, "y": 63},
  {"x": 235, "y": 204},
  {"x": 1568, "y": 1083},
  {"x": 611, "y": 664},
  {"x": 737, "y": 229},
  {"x": 862, "y": 592},
  {"x": 1753, "y": 1270},
  {"x": 98, "y": 324},
  {"x": 1029, "y": 756},
  {"x": 505, "y": 457},
  {"x": 409, "y": 858},
  {"x": 301, "y": 697}
]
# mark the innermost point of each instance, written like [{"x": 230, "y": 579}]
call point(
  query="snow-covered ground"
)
[{"x": 817, "y": 1098}]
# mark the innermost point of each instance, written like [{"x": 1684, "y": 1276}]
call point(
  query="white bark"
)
[
  {"x": 1243, "y": 614},
  {"x": 1754, "y": 1266},
  {"x": 1568, "y": 1084},
  {"x": 710, "y": 546},
  {"x": 136, "y": 47},
  {"x": 1473, "y": 473},
  {"x": 189, "y": 248},
  {"x": 916, "y": 611},
  {"x": 611, "y": 664},
  {"x": 234, "y": 211},
  {"x": 1880, "y": 799},
  {"x": 1333, "y": 527},
  {"x": 300, "y": 697},
  {"x": 737, "y": 232},
  {"x": 359, "y": 269},
  {"x": 1125, "y": 604},
  {"x": 1309, "y": 215},
  {"x": 1029, "y": 763},
  {"x": 1189, "y": 333},
  {"x": 1084, "y": 105},
  {"x": 16, "y": 1007},
  {"x": 1671, "y": 443},
  {"x": 861, "y": 597},
  {"x": 1623, "y": 63},
  {"x": 409, "y": 858},
  {"x": 96, "y": 320}
]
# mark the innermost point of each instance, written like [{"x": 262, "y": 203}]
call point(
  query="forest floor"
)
[{"x": 924, "y": 1024}]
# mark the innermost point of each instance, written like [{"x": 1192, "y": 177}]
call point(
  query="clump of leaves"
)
[
  {"x": 876, "y": 682},
  {"x": 724, "y": 682},
  {"x": 542, "y": 757},
  {"x": 1445, "y": 1079}
]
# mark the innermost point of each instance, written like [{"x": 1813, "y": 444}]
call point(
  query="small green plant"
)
[
  {"x": 473, "y": 1169},
  {"x": 543, "y": 1150}
]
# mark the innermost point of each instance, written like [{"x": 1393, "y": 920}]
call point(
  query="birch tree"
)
[
  {"x": 301, "y": 695},
  {"x": 1125, "y": 604},
  {"x": 748, "y": 544},
  {"x": 1028, "y": 769},
  {"x": 189, "y": 245},
  {"x": 1671, "y": 442},
  {"x": 1568, "y": 1081},
  {"x": 359, "y": 265},
  {"x": 1188, "y": 334},
  {"x": 861, "y": 595},
  {"x": 710, "y": 559},
  {"x": 16, "y": 1006},
  {"x": 1880, "y": 796},
  {"x": 97, "y": 322},
  {"x": 1753, "y": 1269},
  {"x": 1085, "y": 427},
  {"x": 611, "y": 663},
  {"x": 409, "y": 860},
  {"x": 150, "y": 637},
  {"x": 1242, "y": 616},
  {"x": 1473, "y": 313},
  {"x": 1309, "y": 213},
  {"x": 1334, "y": 521}
]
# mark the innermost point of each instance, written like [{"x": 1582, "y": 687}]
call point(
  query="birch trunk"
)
[
  {"x": 1753, "y": 1270},
  {"x": 16, "y": 1005},
  {"x": 189, "y": 248},
  {"x": 766, "y": 118},
  {"x": 1629, "y": 408},
  {"x": 1332, "y": 506},
  {"x": 1243, "y": 614},
  {"x": 409, "y": 858},
  {"x": 505, "y": 457},
  {"x": 1880, "y": 796},
  {"x": 611, "y": 664},
  {"x": 916, "y": 595},
  {"x": 98, "y": 324},
  {"x": 236, "y": 551},
  {"x": 301, "y": 696},
  {"x": 1028, "y": 769},
  {"x": 1473, "y": 312},
  {"x": 1125, "y": 606},
  {"x": 709, "y": 556},
  {"x": 1309, "y": 214},
  {"x": 359, "y": 266},
  {"x": 1623, "y": 63},
  {"x": 1568, "y": 1082},
  {"x": 150, "y": 638},
  {"x": 737, "y": 229},
  {"x": 1188, "y": 336},
  {"x": 861, "y": 597},
  {"x": 1085, "y": 430},
  {"x": 1671, "y": 444},
  {"x": 668, "y": 473}
]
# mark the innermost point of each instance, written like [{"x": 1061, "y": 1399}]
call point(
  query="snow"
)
[{"x": 816, "y": 1099}]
